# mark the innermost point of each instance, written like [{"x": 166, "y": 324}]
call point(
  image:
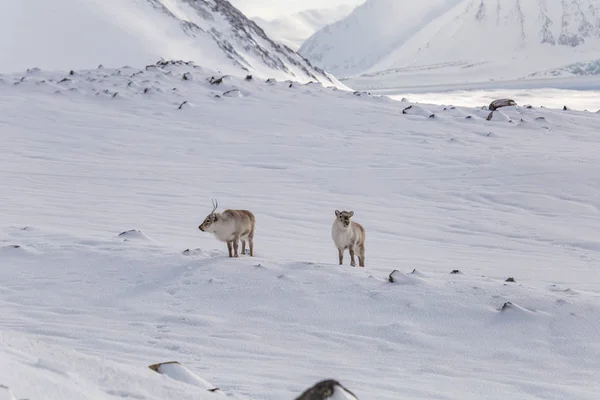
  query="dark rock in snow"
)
[
  {"x": 129, "y": 232},
  {"x": 232, "y": 93},
  {"x": 455, "y": 271},
  {"x": 406, "y": 109},
  {"x": 565, "y": 108},
  {"x": 216, "y": 81},
  {"x": 496, "y": 104},
  {"x": 133, "y": 234},
  {"x": 325, "y": 390},
  {"x": 188, "y": 76},
  {"x": 510, "y": 279},
  {"x": 248, "y": 77}
]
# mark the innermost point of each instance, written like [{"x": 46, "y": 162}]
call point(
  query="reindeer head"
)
[
  {"x": 343, "y": 217},
  {"x": 210, "y": 219}
]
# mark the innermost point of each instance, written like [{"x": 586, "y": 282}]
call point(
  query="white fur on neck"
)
[
  {"x": 342, "y": 235},
  {"x": 223, "y": 228}
]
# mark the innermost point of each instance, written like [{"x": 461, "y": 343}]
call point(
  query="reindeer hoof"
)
[{"x": 353, "y": 264}]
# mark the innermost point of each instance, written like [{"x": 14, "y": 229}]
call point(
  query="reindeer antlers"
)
[{"x": 215, "y": 204}]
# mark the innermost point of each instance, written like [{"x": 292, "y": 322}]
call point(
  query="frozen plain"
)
[{"x": 85, "y": 311}]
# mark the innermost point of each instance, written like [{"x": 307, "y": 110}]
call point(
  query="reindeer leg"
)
[
  {"x": 251, "y": 243},
  {"x": 361, "y": 257},
  {"x": 236, "y": 245},
  {"x": 229, "y": 244},
  {"x": 352, "y": 262},
  {"x": 341, "y": 255},
  {"x": 243, "y": 247}
]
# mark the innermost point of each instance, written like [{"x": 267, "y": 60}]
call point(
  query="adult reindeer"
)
[{"x": 231, "y": 226}]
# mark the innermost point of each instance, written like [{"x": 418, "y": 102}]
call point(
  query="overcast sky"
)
[{"x": 273, "y": 8}]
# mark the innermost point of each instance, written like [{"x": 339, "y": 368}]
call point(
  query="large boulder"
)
[{"x": 496, "y": 104}]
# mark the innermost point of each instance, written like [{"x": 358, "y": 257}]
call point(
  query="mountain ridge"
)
[
  {"x": 70, "y": 34},
  {"x": 480, "y": 35}
]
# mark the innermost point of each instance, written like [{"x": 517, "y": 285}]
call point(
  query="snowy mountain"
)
[
  {"x": 293, "y": 30},
  {"x": 353, "y": 45},
  {"x": 461, "y": 39},
  {"x": 105, "y": 175},
  {"x": 70, "y": 34}
]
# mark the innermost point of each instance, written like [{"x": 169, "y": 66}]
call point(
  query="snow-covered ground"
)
[
  {"x": 577, "y": 93},
  {"x": 87, "y": 304},
  {"x": 552, "y": 98}
]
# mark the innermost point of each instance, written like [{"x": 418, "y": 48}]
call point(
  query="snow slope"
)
[
  {"x": 72, "y": 34},
  {"x": 292, "y": 30},
  {"x": 105, "y": 177},
  {"x": 463, "y": 41}
]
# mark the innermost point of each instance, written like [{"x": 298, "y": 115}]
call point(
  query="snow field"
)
[
  {"x": 552, "y": 98},
  {"x": 85, "y": 310}
]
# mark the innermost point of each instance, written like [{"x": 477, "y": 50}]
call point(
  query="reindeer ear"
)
[
  {"x": 351, "y": 213},
  {"x": 337, "y": 213}
]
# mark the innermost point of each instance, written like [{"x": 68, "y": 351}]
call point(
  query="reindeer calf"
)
[
  {"x": 349, "y": 235},
  {"x": 230, "y": 226}
]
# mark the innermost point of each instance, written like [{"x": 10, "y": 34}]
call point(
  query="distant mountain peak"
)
[{"x": 444, "y": 32}]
